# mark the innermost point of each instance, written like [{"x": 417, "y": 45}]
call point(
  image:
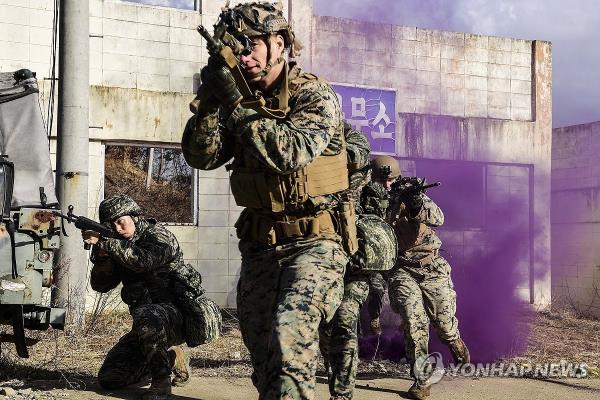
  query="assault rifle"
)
[
  {"x": 409, "y": 186},
  {"x": 229, "y": 49},
  {"x": 86, "y": 224}
]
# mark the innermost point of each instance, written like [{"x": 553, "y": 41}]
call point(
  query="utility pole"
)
[{"x": 73, "y": 152}]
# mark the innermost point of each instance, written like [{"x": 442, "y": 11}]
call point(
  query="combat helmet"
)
[
  {"x": 264, "y": 18},
  {"x": 261, "y": 19},
  {"x": 385, "y": 167},
  {"x": 379, "y": 241},
  {"x": 116, "y": 206}
]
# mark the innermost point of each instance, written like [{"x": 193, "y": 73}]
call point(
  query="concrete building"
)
[
  {"x": 473, "y": 111},
  {"x": 576, "y": 218}
]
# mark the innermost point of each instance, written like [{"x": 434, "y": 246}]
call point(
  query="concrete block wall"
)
[
  {"x": 576, "y": 218},
  {"x": 434, "y": 72},
  {"x": 142, "y": 65},
  {"x": 144, "y": 47},
  {"x": 460, "y": 97},
  {"x": 144, "y": 62},
  {"x": 25, "y": 35},
  {"x": 131, "y": 45}
]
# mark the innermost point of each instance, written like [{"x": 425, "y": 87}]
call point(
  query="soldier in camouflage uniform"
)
[
  {"x": 377, "y": 288},
  {"x": 147, "y": 261},
  {"x": 339, "y": 339},
  {"x": 289, "y": 170},
  {"x": 420, "y": 287},
  {"x": 375, "y": 202}
]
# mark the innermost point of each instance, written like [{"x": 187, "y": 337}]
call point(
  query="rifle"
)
[
  {"x": 409, "y": 186},
  {"x": 86, "y": 224},
  {"x": 229, "y": 49}
]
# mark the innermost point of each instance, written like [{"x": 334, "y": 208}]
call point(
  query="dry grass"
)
[
  {"x": 75, "y": 357},
  {"x": 166, "y": 201},
  {"x": 562, "y": 335}
]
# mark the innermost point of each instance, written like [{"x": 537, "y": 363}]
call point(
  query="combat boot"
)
[
  {"x": 180, "y": 366},
  {"x": 418, "y": 392},
  {"x": 459, "y": 351},
  {"x": 376, "y": 326},
  {"x": 160, "y": 389}
]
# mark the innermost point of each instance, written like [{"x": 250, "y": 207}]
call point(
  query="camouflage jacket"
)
[
  {"x": 358, "y": 149},
  {"x": 417, "y": 241},
  {"x": 149, "y": 265},
  {"x": 313, "y": 127}
]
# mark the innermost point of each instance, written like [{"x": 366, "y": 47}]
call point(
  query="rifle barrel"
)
[
  {"x": 211, "y": 42},
  {"x": 434, "y": 184}
]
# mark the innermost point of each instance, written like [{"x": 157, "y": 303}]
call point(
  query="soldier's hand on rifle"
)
[
  {"x": 219, "y": 80},
  {"x": 90, "y": 237},
  {"x": 414, "y": 202}
]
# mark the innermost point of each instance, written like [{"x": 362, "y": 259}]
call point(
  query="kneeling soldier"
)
[{"x": 164, "y": 296}]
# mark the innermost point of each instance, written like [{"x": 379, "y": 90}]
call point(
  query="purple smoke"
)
[{"x": 487, "y": 243}]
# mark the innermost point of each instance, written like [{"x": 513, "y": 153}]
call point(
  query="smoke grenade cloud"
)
[{"x": 488, "y": 246}]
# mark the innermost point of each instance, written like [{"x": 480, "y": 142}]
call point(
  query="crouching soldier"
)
[{"x": 164, "y": 296}]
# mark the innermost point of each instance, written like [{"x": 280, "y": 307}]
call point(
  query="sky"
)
[{"x": 573, "y": 27}]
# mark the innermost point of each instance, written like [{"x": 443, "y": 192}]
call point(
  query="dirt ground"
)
[
  {"x": 207, "y": 388},
  {"x": 63, "y": 365}
]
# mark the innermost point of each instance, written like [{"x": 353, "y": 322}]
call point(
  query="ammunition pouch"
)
[
  {"x": 347, "y": 220},
  {"x": 276, "y": 193},
  {"x": 273, "y": 229},
  {"x": 423, "y": 260},
  {"x": 270, "y": 230},
  {"x": 202, "y": 320}
]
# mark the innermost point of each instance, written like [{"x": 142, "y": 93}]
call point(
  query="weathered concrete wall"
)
[
  {"x": 462, "y": 97},
  {"x": 131, "y": 45},
  {"x": 143, "y": 61},
  {"x": 476, "y": 98},
  {"x": 433, "y": 72},
  {"x": 576, "y": 218}
]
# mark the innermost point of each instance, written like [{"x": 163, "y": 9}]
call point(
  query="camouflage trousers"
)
[
  {"x": 143, "y": 351},
  {"x": 421, "y": 295},
  {"x": 377, "y": 285},
  {"x": 339, "y": 342},
  {"x": 284, "y": 294}
]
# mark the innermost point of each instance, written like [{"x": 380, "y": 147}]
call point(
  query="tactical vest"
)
[
  {"x": 273, "y": 200},
  {"x": 262, "y": 189},
  {"x": 413, "y": 237}
]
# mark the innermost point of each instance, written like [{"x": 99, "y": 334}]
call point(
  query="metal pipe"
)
[{"x": 72, "y": 151}]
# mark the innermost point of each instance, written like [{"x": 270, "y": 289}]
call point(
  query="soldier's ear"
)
[{"x": 280, "y": 43}]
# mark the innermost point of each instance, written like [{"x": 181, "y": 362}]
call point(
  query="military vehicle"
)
[{"x": 29, "y": 227}]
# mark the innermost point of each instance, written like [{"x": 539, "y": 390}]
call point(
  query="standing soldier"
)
[
  {"x": 377, "y": 287},
  {"x": 163, "y": 295},
  {"x": 420, "y": 288},
  {"x": 377, "y": 251},
  {"x": 288, "y": 171},
  {"x": 339, "y": 339}
]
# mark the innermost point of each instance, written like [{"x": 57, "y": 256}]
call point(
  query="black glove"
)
[
  {"x": 414, "y": 202},
  {"x": 358, "y": 260},
  {"x": 217, "y": 78}
]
